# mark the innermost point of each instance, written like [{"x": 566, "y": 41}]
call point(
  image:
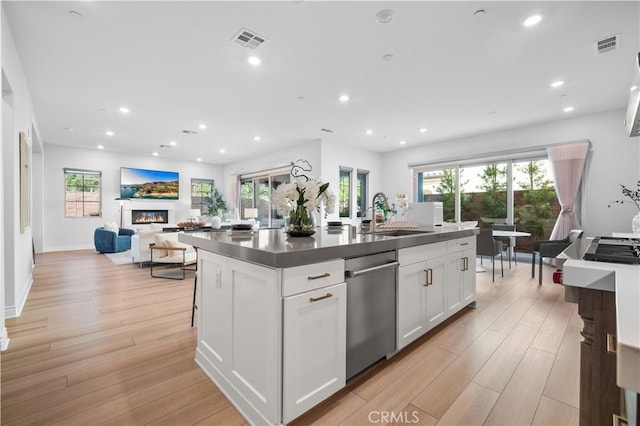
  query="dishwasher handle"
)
[{"x": 351, "y": 274}]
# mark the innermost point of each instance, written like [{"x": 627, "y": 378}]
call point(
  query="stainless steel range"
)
[{"x": 616, "y": 250}]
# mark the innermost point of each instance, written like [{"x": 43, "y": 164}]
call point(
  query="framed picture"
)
[{"x": 25, "y": 183}]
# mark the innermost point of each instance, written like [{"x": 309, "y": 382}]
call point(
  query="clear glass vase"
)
[
  {"x": 300, "y": 223},
  {"x": 635, "y": 224}
]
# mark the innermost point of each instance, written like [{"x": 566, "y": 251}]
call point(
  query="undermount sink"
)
[{"x": 398, "y": 232}]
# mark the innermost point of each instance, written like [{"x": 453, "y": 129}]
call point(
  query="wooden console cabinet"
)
[{"x": 602, "y": 402}]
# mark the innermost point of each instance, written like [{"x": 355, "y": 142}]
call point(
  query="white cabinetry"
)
[
  {"x": 314, "y": 348},
  {"x": 434, "y": 282},
  {"x": 239, "y": 341},
  {"x": 421, "y": 291},
  {"x": 274, "y": 357},
  {"x": 461, "y": 273}
]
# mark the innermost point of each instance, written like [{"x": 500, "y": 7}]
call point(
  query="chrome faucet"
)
[{"x": 373, "y": 204}]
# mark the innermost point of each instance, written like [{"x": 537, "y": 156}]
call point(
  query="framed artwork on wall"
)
[{"x": 25, "y": 183}]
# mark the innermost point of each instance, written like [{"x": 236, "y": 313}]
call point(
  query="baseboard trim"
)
[
  {"x": 68, "y": 248},
  {"x": 14, "y": 311},
  {"x": 4, "y": 339}
]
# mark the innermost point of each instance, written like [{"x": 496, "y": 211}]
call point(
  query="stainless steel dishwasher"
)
[{"x": 371, "y": 309}]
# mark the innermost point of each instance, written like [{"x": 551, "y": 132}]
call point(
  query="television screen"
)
[{"x": 148, "y": 184}]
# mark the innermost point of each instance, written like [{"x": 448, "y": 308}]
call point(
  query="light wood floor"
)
[{"x": 104, "y": 344}]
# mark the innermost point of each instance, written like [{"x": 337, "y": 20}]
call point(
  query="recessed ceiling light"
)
[
  {"x": 202, "y": 126},
  {"x": 256, "y": 138},
  {"x": 173, "y": 143},
  {"x": 254, "y": 60},
  {"x": 403, "y": 142},
  {"x": 100, "y": 146},
  {"x": 222, "y": 151},
  {"x": 124, "y": 110},
  {"x": 109, "y": 133},
  {"x": 369, "y": 132},
  {"x": 344, "y": 98},
  {"x": 423, "y": 130},
  {"x": 568, "y": 109},
  {"x": 198, "y": 159},
  {"x": 557, "y": 84},
  {"x": 384, "y": 16},
  {"x": 633, "y": 88},
  {"x": 532, "y": 20},
  {"x": 155, "y": 154}
]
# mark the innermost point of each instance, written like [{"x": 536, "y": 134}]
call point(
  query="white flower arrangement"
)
[{"x": 302, "y": 196}]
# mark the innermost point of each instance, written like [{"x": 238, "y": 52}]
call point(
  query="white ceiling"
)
[{"x": 174, "y": 65}]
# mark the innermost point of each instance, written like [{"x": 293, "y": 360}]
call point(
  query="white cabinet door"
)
[
  {"x": 455, "y": 271},
  {"x": 214, "y": 310},
  {"x": 314, "y": 355},
  {"x": 256, "y": 321},
  {"x": 461, "y": 276},
  {"x": 412, "y": 281},
  {"x": 469, "y": 278},
  {"x": 435, "y": 298}
]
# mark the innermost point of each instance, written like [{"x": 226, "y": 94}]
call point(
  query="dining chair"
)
[
  {"x": 551, "y": 248},
  {"x": 486, "y": 245},
  {"x": 507, "y": 242}
]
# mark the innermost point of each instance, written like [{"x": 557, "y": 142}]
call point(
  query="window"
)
[
  {"x": 344, "y": 199},
  {"x": 82, "y": 193},
  {"x": 206, "y": 198},
  {"x": 361, "y": 192},
  {"x": 255, "y": 193},
  {"x": 439, "y": 185},
  {"x": 512, "y": 189}
]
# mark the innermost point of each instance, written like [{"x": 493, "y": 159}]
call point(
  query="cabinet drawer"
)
[
  {"x": 409, "y": 255},
  {"x": 461, "y": 244},
  {"x": 310, "y": 277}
]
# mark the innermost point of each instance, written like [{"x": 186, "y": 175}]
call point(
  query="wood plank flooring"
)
[{"x": 103, "y": 344}]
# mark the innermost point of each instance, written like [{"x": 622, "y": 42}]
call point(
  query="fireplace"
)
[{"x": 142, "y": 217}]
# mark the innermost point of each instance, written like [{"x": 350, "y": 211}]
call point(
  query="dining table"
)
[
  {"x": 502, "y": 233},
  {"x": 512, "y": 236}
]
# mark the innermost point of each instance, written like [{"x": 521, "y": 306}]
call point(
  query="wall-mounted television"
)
[{"x": 148, "y": 184}]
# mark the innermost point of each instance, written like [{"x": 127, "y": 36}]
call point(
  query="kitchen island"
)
[
  {"x": 608, "y": 297},
  {"x": 272, "y": 310}
]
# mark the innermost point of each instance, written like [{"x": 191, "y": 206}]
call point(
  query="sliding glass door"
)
[
  {"x": 255, "y": 193},
  {"x": 518, "y": 191}
]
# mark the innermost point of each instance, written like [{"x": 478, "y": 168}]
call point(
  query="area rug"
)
[{"x": 122, "y": 258}]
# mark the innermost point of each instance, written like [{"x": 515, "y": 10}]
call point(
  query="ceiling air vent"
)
[
  {"x": 247, "y": 38},
  {"x": 607, "y": 44},
  {"x": 189, "y": 132}
]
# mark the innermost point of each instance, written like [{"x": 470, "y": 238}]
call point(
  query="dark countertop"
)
[{"x": 273, "y": 248}]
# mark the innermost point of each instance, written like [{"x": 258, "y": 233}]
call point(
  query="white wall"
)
[
  {"x": 17, "y": 251},
  {"x": 614, "y": 159},
  {"x": 7, "y": 120},
  {"x": 62, "y": 233},
  {"x": 335, "y": 155}
]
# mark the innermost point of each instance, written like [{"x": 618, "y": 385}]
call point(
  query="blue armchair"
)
[{"x": 110, "y": 242}]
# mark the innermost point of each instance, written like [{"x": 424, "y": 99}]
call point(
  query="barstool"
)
[
  {"x": 195, "y": 287},
  {"x": 193, "y": 305}
]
